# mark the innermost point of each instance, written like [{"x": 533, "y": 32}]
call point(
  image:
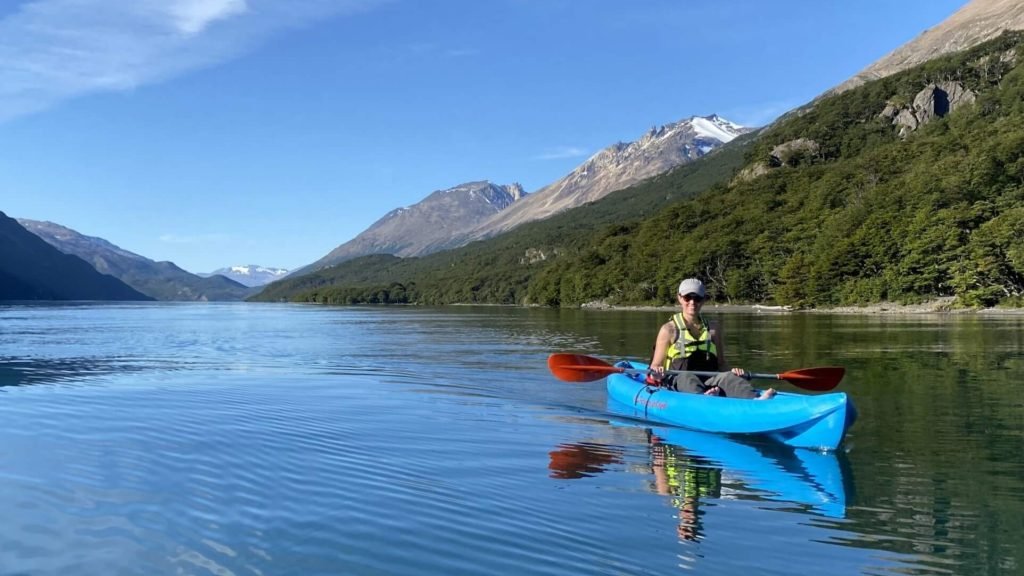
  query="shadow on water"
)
[{"x": 33, "y": 371}]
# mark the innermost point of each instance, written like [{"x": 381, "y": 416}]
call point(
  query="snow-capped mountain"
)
[
  {"x": 616, "y": 167},
  {"x": 250, "y": 274},
  {"x": 429, "y": 225}
]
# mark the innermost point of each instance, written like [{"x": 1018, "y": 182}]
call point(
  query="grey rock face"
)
[
  {"x": 427, "y": 226},
  {"x": 934, "y": 101}
]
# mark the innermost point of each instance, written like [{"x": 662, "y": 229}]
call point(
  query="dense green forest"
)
[{"x": 863, "y": 215}]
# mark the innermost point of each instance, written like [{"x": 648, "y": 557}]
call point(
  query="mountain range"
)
[
  {"x": 31, "y": 269},
  {"x": 157, "y": 280},
  {"x": 453, "y": 217}
]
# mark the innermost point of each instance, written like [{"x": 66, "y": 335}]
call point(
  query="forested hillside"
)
[{"x": 862, "y": 198}]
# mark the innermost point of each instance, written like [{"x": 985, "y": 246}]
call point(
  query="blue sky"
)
[{"x": 221, "y": 132}]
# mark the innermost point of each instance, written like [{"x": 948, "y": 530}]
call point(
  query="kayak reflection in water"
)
[
  {"x": 686, "y": 481},
  {"x": 689, "y": 342}
]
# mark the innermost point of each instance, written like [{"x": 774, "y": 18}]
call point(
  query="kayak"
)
[{"x": 803, "y": 421}]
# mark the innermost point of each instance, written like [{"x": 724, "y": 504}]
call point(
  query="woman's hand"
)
[
  {"x": 655, "y": 374},
  {"x": 741, "y": 373}
]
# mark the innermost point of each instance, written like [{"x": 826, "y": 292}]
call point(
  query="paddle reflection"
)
[{"x": 573, "y": 461}]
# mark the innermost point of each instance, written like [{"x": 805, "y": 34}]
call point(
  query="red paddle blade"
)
[
  {"x": 816, "y": 379},
  {"x": 579, "y": 368}
]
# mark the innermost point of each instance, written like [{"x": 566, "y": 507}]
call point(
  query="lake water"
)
[{"x": 278, "y": 439}]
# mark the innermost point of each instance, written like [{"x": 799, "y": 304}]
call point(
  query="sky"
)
[{"x": 214, "y": 133}]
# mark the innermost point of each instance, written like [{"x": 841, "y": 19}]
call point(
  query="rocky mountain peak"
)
[
  {"x": 429, "y": 225},
  {"x": 618, "y": 166}
]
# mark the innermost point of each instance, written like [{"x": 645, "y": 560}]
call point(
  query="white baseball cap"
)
[{"x": 691, "y": 286}]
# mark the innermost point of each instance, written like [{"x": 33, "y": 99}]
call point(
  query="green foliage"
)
[{"x": 867, "y": 217}]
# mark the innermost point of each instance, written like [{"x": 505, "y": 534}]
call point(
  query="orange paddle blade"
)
[
  {"x": 579, "y": 368},
  {"x": 816, "y": 379}
]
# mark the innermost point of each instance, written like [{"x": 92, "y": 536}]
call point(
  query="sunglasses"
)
[{"x": 693, "y": 298}]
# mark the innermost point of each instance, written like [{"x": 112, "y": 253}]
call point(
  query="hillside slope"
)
[
  {"x": 31, "y": 269},
  {"x": 976, "y": 22},
  {"x": 158, "y": 280}
]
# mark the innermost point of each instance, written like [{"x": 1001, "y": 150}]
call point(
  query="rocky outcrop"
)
[
  {"x": 751, "y": 172},
  {"x": 794, "y": 152},
  {"x": 934, "y": 101}
]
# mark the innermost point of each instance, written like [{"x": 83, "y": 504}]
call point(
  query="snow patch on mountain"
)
[
  {"x": 716, "y": 127},
  {"x": 250, "y": 274}
]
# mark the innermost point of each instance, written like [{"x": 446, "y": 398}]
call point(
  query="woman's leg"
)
[{"x": 732, "y": 385}]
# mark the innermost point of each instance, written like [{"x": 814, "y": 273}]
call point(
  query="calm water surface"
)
[{"x": 273, "y": 439}]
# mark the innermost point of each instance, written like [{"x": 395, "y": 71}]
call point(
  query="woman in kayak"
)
[{"x": 689, "y": 342}]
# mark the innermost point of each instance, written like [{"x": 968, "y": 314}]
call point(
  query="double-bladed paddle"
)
[{"x": 580, "y": 368}]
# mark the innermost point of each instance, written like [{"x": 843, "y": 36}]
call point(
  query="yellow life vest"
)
[
  {"x": 688, "y": 478},
  {"x": 689, "y": 353}
]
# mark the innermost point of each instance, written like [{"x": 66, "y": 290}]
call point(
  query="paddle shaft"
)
[
  {"x": 583, "y": 368},
  {"x": 749, "y": 376}
]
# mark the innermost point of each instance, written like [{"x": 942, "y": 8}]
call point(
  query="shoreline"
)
[{"x": 941, "y": 306}]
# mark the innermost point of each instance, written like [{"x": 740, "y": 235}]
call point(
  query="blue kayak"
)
[{"x": 799, "y": 420}]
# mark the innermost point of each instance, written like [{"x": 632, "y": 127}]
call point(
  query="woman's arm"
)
[{"x": 665, "y": 338}]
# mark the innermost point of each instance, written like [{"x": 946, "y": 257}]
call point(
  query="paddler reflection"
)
[{"x": 685, "y": 480}]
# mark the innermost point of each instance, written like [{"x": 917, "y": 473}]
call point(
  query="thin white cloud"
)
[
  {"x": 562, "y": 152},
  {"x": 54, "y": 50},
  {"x": 192, "y": 16}
]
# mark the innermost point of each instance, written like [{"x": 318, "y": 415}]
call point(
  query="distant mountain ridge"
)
[
  {"x": 158, "y": 280},
  {"x": 427, "y": 226},
  {"x": 250, "y": 275},
  {"x": 32, "y": 269},
  {"x": 616, "y": 167},
  {"x": 974, "y": 23},
  {"x": 476, "y": 210}
]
